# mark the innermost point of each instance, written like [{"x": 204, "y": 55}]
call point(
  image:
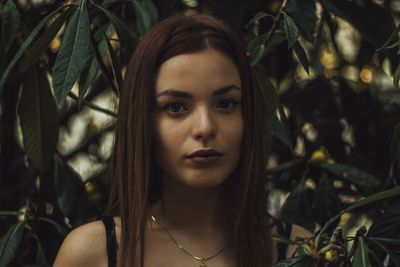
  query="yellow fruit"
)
[
  {"x": 55, "y": 45},
  {"x": 318, "y": 156},
  {"x": 329, "y": 255}
]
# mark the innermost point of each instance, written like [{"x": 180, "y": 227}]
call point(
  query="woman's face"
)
[{"x": 198, "y": 118}]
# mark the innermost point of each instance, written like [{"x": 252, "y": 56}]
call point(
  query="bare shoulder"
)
[{"x": 84, "y": 246}]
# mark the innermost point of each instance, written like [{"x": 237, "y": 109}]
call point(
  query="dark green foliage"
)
[{"x": 330, "y": 151}]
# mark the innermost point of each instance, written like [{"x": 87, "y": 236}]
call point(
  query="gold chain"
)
[{"x": 201, "y": 260}]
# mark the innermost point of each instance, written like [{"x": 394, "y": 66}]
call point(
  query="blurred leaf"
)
[
  {"x": 360, "y": 203},
  {"x": 351, "y": 174},
  {"x": 280, "y": 127},
  {"x": 360, "y": 258},
  {"x": 325, "y": 199},
  {"x": 126, "y": 37},
  {"x": 297, "y": 208},
  {"x": 87, "y": 76},
  {"x": 72, "y": 198},
  {"x": 9, "y": 243},
  {"x": 360, "y": 13},
  {"x": 301, "y": 56},
  {"x": 115, "y": 65},
  {"x": 39, "y": 118},
  {"x": 298, "y": 261},
  {"x": 146, "y": 15},
  {"x": 256, "y": 42},
  {"x": 396, "y": 77},
  {"x": 393, "y": 36},
  {"x": 395, "y": 144},
  {"x": 385, "y": 240},
  {"x": 61, "y": 229},
  {"x": 292, "y": 33},
  {"x": 36, "y": 51},
  {"x": 10, "y": 24},
  {"x": 257, "y": 17},
  {"x": 303, "y": 13},
  {"x": 73, "y": 53},
  {"x": 41, "y": 259},
  {"x": 392, "y": 257},
  {"x": 24, "y": 45},
  {"x": 257, "y": 54}
]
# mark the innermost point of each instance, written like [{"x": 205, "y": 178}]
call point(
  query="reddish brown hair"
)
[{"x": 136, "y": 183}]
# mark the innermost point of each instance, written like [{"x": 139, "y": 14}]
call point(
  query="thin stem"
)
[
  {"x": 276, "y": 21},
  {"x": 93, "y": 106}
]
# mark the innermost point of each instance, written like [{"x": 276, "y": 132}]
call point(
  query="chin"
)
[{"x": 203, "y": 181}]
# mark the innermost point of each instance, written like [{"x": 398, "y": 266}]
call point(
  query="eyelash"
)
[{"x": 168, "y": 106}]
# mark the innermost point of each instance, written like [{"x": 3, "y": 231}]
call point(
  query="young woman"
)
[{"x": 190, "y": 155}]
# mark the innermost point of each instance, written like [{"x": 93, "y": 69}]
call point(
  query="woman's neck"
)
[{"x": 202, "y": 212}]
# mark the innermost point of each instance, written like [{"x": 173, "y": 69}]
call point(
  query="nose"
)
[{"x": 204, "y": 125}]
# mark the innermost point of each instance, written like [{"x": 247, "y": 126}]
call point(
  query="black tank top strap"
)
[{"x": 111, "y": 238}]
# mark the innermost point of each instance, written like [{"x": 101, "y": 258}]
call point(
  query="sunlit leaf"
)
[
  {"x": 73, "y": 53},
  {"x": 292, "y": 33},
  {"x": 10, "y": 24},
  {"x": 9, "y": 243},
  {"x": 360, "y": 258},
  {"x": 39, "y": 118},
  {"x": 351, "y": 174}
]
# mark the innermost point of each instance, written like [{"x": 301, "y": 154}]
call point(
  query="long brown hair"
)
[{"x": 136, "y": 182}]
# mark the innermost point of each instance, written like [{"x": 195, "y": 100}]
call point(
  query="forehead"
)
[{"x": 200, "y": 71}]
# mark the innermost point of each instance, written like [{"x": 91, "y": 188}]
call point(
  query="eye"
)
[
  {"x": 227, "y": 104},
  {"x": 174, "y": 108}
]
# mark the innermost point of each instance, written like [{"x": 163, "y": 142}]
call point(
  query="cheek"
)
[{"x": 168, "y": 136}]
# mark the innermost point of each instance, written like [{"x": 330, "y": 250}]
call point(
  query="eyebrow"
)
[{"x": 219, "y": 91}]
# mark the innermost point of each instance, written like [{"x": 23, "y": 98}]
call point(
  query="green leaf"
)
[
  {"x": 393, "y": 36},
  {"x": 9, "y": 243},
  {"x": 41, "y": 259},
  {"x": 24, "y": 46},
  {"x": 257, "y": 17},
  {"x": 151, "y": 9},
  {"x": 89, "y": 73},
  {"x": 126, "y": 37},
  {"x": 351, "y": 174},
  {"x": 360, "y": 258},
  {"x": 73, "y": 53},
  {"x": 71, "y": 195},
  {"x": 257, "y": 55},
  {"x": 395, "y": 144},
  {"x": 144, "y": 17},
  {"x": 303, "y": 13},
  {"x": 61, "y": 229},
  {"x": 36, "y": 51},
  {"x": 301, "y": 56},
  {"x": 297, "y": 208},
  {"x": 393, "y": 258},
  {"x": 39, "y": 118},
  {"x": 298, "y": 261},
  {"x": 115, "y": 66},
  {"x": 325, "y": 200},
  {"x": 385, "y": 240},
  {"x": 396, "y": 77},
  {"x": 361, "y": 203},
  {"x": 292, "y": 33},
  {"x": 10, "y": 23},
  {"x": 359, "y": 13}
]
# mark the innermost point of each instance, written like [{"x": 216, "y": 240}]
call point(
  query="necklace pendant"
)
[{"x": 203, "y": 263}]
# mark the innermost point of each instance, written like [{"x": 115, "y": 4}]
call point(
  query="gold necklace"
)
[{"x": 201, "y": 260}]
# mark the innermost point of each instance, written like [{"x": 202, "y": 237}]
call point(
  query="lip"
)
[{"x": 205, "y": 156}]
